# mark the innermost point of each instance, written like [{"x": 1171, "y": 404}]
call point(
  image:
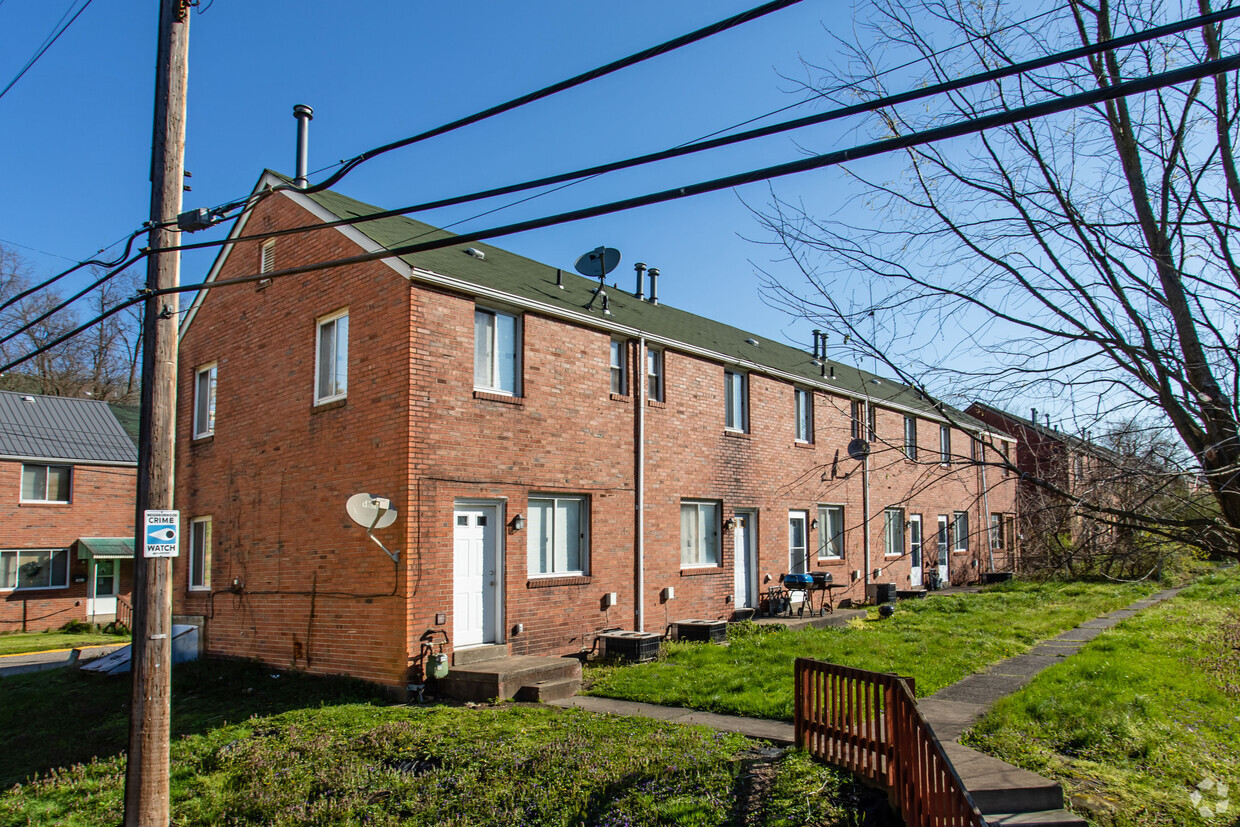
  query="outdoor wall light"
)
[
  {"x": 518, "y": 523},
  {"x": 813, "y": 525},
  {"x": 729, "y": 524}
]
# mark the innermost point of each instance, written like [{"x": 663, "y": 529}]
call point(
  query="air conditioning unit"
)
[
  {"x": 878, "y": 593},
  {"x": 705, "y": 631},
  {"x": 631, "y": 646}
]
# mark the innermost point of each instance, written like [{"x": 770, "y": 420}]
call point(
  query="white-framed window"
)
[
  {"x": 654, "y": 375},
  {"x": 975, "y": 449},
  {"x": 34, "y": 568},
  {"x": 798, "y": 542},
  {"x": 960, "y": 531},
  {"x": 803, "y": 402},
  {"x": 619, "y": 367},
  {"x": 910, "y": 437},
  {"x": 945, "y": 444},
  {"x": 996, "y": 532},
  {"x": 854, "y": 415},
  {"x": 736, "y": 400},
  {"x": 831, "y": 531},
  {"x": 699, "y": 533},
  {"x": 267, "y": 256},
  {"x": 497, "y": 352},
  {"x": 1007, "y": 458},
  {"x": 893, "y": 532},
  {"x": 914, "y": 540},
  {"x": 872, "y": 422},
  {"x": 46, "y": 483},
  {"x": 200, "y": 553},
  {"x": 204, "y": 401},
  {"x": 557, "y": 535},
  {"x": 331, "y": 358}
]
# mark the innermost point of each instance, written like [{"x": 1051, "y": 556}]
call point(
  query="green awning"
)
[{"x": 105, "y": 548}]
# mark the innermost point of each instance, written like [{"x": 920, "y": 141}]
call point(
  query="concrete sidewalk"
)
[{"x": 24, "y": 662}]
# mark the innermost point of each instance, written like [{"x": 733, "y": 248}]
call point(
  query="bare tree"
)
[
  {"x": 100, "y": 363},
  {"x": 1087, "y": 256}
]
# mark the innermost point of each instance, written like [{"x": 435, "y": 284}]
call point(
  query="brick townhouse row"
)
[{"x": 561, "y": 462}]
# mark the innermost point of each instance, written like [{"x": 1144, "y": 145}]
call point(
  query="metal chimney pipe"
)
[
  {"x": 304, "y": 114},
  {"x": 654, "y": 285},
  {"x": 1033, "y": 416},
  {"x": 641, "y": 280},
  {"x": 817, "y": 333}
]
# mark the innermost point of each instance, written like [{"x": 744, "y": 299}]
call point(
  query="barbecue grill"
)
[{"x": 810, "y": 584}]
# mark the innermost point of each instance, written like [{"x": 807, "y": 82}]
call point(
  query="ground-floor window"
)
[
  {"x": 960, "y": 531},
  {"x": 831, "y": 531},
  {"x": 699, "y": 533},
  {"x": 893, "y": 532},
  {"x": 557, "y": 535},
  {"x": 34, "y": 568}
]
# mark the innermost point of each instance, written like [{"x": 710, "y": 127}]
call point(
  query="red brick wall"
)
[
  {"x": 275, "y": 475},
  {"x": 102, "y": 505}
]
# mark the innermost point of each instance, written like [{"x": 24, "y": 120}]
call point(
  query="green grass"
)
[
  {"x": 336, "y": 762},
  {"x": 937, "y": 641},
  {"x": 16, "y": 643},
  {"x": 1140, "y": 716}
]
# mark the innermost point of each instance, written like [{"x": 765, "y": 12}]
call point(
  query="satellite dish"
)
[
  {"x": 598, "y": 262},
  {"x": 370, "y": 512},
  {"x": 858, "y": 449}
]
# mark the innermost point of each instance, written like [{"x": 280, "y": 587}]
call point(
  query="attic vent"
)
[
  {"x": 27, "y": 398},
  {"x": 753, "y": 342},
  {"x": 876, "y": 382},
  {"x": 476, "y": 253}
]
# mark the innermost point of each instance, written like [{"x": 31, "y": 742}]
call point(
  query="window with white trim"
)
[
  {"x": 557, "y": 535},
  {"x": 872, "y": 418},
  {"x": 831, "y": 532},
  {"x": 331, "y": 358},
  {"x": 204, "y": 401},
  {"x": 910, "y": 437},
  {"x": 945, "y": 444},
  {"x": 619, "y": 367},
  {"x": 46, "y": 483},
  {"x": 893, "y": 532},
  {"x": 699, "y": 533},
  {"x": 34, "y": 568},
  {"x": 736, "y": 401},
  {"x": 960, "y": 531},
  {"x": 200, "y": 553},
  {"x": 854, "y": 414},
  {"x": 497, "y": 352},
  {"x": 803, "y": 402},
  {"x": 654, "y": 375}
]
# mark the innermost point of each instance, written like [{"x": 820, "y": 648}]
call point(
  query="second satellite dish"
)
[
  {"x": 370, "y": 512},
  {"x": 598, "y": 262},
  {"x": 858, "y": 449}
]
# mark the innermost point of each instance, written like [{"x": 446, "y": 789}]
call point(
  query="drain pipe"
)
[
  {"x": 304, "y": 114},
  {"x": 990, "y": 540},
  {"x": 639, "y": 489}
]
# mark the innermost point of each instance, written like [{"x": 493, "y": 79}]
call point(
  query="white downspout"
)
[
  {"x": 639, "y": 486},
  {"x": 990, "y": 541},
  {"x": 865, "y": 498}
]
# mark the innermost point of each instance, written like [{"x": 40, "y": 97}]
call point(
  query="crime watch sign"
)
[{"x": 162, "y": 531}]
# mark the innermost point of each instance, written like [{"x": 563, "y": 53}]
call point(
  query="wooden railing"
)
[
  {"x": 868, "y": 723},
  {"x": 124, "y": 612}
]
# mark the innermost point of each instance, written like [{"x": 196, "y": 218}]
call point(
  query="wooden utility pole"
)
[{"x": 146, "y": 775}]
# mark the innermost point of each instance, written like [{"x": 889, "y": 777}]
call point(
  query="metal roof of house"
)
[
  {"x": 105, "y": 548},
  {"x": 60, "y": 428},
  {"x": 517, "y": 276}
]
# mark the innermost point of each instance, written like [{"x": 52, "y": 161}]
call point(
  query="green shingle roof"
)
[{"x": 518, "y": 276}]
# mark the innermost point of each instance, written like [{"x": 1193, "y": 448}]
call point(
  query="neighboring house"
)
[
  {"x": 68, "y": 471},
  {"x": 560, "y": 464}
]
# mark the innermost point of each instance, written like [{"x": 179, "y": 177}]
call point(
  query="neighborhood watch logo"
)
[{"x": 1210, "y": 798}]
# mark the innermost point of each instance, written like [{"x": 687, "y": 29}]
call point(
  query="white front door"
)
[
  {"x": 101, "y": 586},
  {"x": 944, "y": 550},
  {"x": 746, "y": 567},
  {"x": 475, "y": 592},
  {"x": 914, "y": 550}
]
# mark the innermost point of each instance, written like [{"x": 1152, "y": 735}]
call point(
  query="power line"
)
[
  {"x": 47, "y": 44},
  {"x": 914, "y": 139}
]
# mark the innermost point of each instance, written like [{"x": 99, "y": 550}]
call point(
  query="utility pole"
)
[{"x": 147, "y": 771}]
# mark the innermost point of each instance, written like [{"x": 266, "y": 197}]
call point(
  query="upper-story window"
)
[
  {"x": 854, "y": 413},
  {"x": 945, "y": 444},
  {"x": 804, "y": 412},
  {"x": 34, "y": 568},
  {"x": 331, "y": 375},
  {"x": 46, "y": 483},
  {"x": 557, "y": 535},
  {"x": 736, "y": 400},
  {"x": 619, "y": 367},
  {"x": 654, "y": 374},
  {"x": 204, "y": 401},
  {"x": 910, "y": 437},
  {"x": 497, "y": 352},
  {"x": 872, "y": 422}
]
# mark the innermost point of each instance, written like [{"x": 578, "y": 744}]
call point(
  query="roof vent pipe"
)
[
  {"x": 304, "y": 114},
  {"x": 641, "y": 280},
  {"x": 817, "y": 333},
  {"x": 654, "y": 285},
  {"x": 1033, "y": 416}
]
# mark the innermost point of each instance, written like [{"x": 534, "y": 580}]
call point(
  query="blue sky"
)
[{"x": 77, "y": 127}]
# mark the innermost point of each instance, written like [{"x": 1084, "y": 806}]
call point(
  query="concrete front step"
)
[
  {"x": 502, "y": 678},
  {"x": 1044, "y": 818},
  {"x": 550, "y": 690},
  {"x": 479, "y": 654},
  {"x": 999, "y": 787}
]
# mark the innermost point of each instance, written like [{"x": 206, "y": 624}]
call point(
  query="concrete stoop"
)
[
  {"x": 1008, "y": 795},
  {"x": 524, "y": 677}
]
